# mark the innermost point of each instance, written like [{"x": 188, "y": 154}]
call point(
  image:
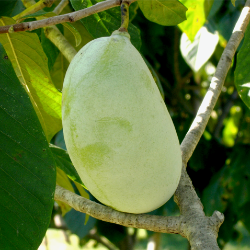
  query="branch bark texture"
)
[
  {"x": 71, "y": 17},
  {"x": 199, "y": 124},
  {"x": 154, "y": 223}
]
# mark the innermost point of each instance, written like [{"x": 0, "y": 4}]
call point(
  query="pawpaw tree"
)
[{"x": 197, "y": 55}]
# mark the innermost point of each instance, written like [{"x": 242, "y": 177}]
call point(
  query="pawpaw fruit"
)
[{"x": 118, "y": 132}]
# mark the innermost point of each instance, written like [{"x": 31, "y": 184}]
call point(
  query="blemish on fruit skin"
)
[
  {"x": 94, "y": 155},
  {"x": 123, "y": 123}
]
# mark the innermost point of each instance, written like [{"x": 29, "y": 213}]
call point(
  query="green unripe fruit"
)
[{"x": 117, "y": 129}]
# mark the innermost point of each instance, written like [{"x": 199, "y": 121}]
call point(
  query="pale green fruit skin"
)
[{"x": 117, "y": 129}]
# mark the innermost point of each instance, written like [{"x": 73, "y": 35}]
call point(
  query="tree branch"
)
[
  {"x": 201, "y": 231},
  {"x": 197, "y": 128},
  {"x": 154, "y": 223},
  {"x": 71, "y": 17}
]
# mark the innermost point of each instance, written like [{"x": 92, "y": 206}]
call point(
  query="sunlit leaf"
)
[
  {"x": 196, "y": 17},
  {"x": 197, "y": 53},
  {"x": 30, "y": 64},
  {"x": 164, "y": 12}
]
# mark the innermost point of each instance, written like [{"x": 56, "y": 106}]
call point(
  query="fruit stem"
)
[{"x": 124, "y": 16}]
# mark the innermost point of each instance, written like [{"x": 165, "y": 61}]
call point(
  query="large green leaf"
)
[
  {"x": 30, "y": 64},
  {"x": 11, "y": 8},
  {"x": 104, "y": 23},
  {"x": 196, "y": 17},
  {"x": 27, "y": 167},
  {"x": 164, "y": 12},
  {"x": 242, "y": 72}
]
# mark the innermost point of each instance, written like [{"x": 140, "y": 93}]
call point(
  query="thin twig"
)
[
  {"x": 59, "y": 8},
  {"x": 71, "y": 17},
  {"x": 197, "y": 128}
]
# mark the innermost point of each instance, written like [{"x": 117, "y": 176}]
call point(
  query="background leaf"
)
[
  {"x": 26, "y": 165},
  {"x": 105, "y": 22},
  {"x": 197, "y": 53},
  {"x": 49, "y": 49},
  {"x": 11, "y": 7},
  {"x": 30, "y": 64},
  {"x": 242, "y": 72},
  {"x": 163, "y": 12},
  {"x": 64, "y": 163}
]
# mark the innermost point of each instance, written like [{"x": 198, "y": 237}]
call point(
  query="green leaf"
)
[
  {"x": 40, "y": 13},
  {"x": 11, "y": 8},
  {"x": 74, "y": 31},
  {"x": 27, "y": 167},
  {"x": 244, "y": 215},
  {"x": 58, "y": 71},
  {"x": 242, "y": 72},
  {"x": 64, "y": 163},
  {"x": 198, "y": 52},
  {"x": 208, "y": 6},
  {"x": 231, "y": 126},
  {"x": 215, "y": 196},
  {"x": 31, "y": 66},
  {"x": 104, "y": 23},
  {"x": 133, "y": 10},
  {"x": 44, "y": 14},
  {"x": 196, "y": 17},
  {"x": 163, "y": 12},
  {"x": 49, "y": 49},
  {"x": 85, "y": 36},
  {"x": 238, "y": 176},
  {"x": 214, "y": 9}
]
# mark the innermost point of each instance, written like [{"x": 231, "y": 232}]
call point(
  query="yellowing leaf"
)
[
  {"x": 31, "y": 67},
  {"x": 63, "y": 181}
]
